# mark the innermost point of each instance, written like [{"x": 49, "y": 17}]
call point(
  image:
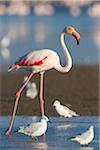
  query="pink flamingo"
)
[{"x": 39, "y": 62}]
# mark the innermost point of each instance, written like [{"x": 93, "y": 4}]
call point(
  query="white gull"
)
[
  {"x": 86, "y": 137},
  {"x": 64, "y": 111},
  {"x": 35, "y": 129},
  {"x": 31, "y": 89}
]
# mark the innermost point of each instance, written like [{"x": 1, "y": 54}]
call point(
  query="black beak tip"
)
[
  {"x": 49, "y": 121},
  {"x": 53, "y": 106},
  {"x": 78, "y": 41}
]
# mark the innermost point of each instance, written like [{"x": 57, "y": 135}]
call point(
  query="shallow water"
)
[{"x": 57, "y": 136}]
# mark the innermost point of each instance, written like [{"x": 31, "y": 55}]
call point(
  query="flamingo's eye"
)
[{"x": 69, "y": 28}]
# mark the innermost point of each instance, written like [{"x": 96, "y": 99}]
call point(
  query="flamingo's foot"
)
[{"x": 8, "y": 132}]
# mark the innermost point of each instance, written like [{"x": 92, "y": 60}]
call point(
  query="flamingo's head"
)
[{"x": 71, "y": 31}]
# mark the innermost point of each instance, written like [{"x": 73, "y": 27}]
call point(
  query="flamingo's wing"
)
[
  {"x": 31, "y": 59},
  {"x": 21, "y": 59},
  {"x": 18, "y": 63},
  {"x": 24, "y": 60}
]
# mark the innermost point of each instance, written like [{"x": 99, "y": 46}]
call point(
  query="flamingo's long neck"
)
[{"x": 68, "y": 57}]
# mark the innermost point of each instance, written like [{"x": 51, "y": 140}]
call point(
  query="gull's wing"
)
[
  {"x": 86, "y": 134},
  {"x": 66, "y": 108},
  {"x": 69, "y": 111},
  {"x": 33, "y": 127}
]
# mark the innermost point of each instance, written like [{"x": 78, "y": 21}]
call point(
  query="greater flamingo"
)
[{"x": 39, "y": 61}]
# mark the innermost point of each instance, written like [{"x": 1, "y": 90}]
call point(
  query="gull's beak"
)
[
  {"x": 49, "y": 121},
  {"x": 76, "y": 36},
  {"x": 54, "y": 106}
]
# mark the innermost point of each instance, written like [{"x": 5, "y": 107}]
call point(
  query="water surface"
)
[{"x": 57, "y": 136}]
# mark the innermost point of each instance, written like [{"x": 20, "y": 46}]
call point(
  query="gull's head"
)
[
  {"x": 56, "y": 103},
  {"x": 91, "y": 127},
  {"x": 71, "y": 31},
  {"x": 45, "y": 118}
]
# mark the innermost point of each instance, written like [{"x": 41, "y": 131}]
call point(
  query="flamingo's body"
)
[{"x": 38, "y": 62}]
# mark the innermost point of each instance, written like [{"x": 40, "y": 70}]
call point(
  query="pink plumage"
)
[
  {"x": 27, "y": 62},
  {"x": 38, "y": 60}
]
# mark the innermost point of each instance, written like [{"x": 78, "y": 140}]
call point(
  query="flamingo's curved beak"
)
[{"x": 76, "y": 36}]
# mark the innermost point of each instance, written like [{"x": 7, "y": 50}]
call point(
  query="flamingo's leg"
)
[
  {"x": 41, "y": 93},
  {"x": 16, "y": 103}
]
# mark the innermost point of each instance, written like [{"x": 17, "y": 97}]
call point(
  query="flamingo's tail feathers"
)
[{"x": 13, "y": 67}]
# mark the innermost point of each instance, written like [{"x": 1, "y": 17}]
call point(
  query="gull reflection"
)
[
  {"x": 64, "y": 126},
  {"x": 34, "y": 119},
  {"x": 86, "y": 148},
  {"x": 40, "y": 145},
  {"x": 31, "y": 89}
]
